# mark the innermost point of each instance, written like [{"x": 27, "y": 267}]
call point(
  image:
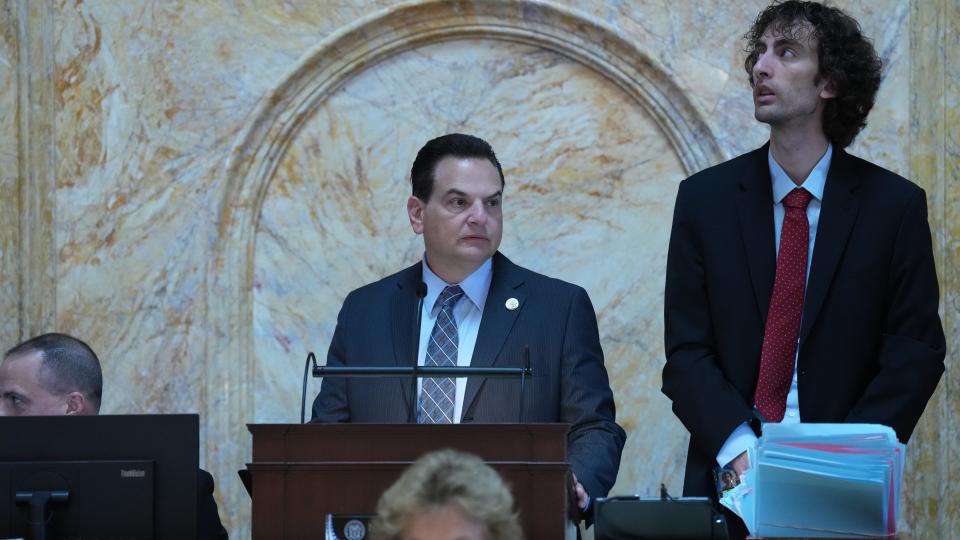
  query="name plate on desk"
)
[{"x": 347, "y": 527}]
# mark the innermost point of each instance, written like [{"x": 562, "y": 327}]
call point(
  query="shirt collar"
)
[
  {"x": 475, "y": 286},
  {"x": 814, "y": 183}
]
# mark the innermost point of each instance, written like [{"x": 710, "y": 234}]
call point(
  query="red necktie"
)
[{"x": 786, "y": 308}]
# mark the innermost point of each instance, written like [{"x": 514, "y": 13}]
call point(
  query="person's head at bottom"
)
[
  {"x": 447, "y": 495},
  {"x": 52, "y": 374}
]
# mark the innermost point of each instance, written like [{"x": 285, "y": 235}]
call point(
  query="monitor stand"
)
[{"x": 38, "y": 502}]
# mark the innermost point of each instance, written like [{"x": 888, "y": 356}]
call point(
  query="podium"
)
[{"x": 301, "y": 472}]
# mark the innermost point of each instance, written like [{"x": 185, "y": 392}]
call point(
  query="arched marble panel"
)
[
  {"x": 589, "y": 195},
  {"x": 314, "y": 190}
]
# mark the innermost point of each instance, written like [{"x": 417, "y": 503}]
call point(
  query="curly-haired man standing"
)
[{"x": 800, "y": 279}]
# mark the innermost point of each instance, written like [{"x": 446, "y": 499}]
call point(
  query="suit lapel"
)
[
  {"x": 837, "y": 215},
  {"x": 755, "y": 213},
  {"x": 403, "y": 312},
  {"x": 496, "y": 321}
]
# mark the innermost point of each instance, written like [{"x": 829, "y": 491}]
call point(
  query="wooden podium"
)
[{"x": 302, "y": 472}]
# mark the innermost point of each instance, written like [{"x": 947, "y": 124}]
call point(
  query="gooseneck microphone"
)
[
  {"x": 412, "y": 414},
  {"x": 523, "y": 380}
]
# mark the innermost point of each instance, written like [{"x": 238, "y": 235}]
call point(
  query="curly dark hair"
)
[{"x": 846, "y": 58}]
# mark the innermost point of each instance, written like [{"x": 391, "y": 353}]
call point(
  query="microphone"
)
[
  {"x": 421, "y": 294},
  {"x": 523, "y": 380}
]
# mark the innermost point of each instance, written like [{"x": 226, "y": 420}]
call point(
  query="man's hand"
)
[
  {"x": 741, "y": 463},
  {"x": 582, "y": 497}
]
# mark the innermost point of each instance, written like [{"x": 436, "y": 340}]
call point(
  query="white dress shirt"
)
[
  {"x": 467, "y": 313},
  {"x": 744, "y": 437}
]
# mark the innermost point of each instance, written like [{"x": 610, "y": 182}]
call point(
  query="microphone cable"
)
[{"x": 303, "y": 396}]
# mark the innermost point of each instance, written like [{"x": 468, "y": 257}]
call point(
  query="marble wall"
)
[
  {"x": 193, "y": 187},
  {"x": 9, "y": 185}
]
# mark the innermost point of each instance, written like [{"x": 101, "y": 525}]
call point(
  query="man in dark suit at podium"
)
[
  {"x": 800, "y": 279},
  {"x": 479, "y": 310},
  {"x": 56, "y": 374}
]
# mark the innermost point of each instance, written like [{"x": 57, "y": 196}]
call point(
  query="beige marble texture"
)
[
  {"x": 9, "y": 181},
  {"x": 934, "y": 131},
  {"x": 949, "y": 239},
  {"x": 585, "y": 173},
  {"x": 193, "y": 186},
  {"x": 31, "y": 201}
]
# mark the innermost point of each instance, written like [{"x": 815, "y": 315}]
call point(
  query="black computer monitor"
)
[
  {"x": 663, "y": 518},
  {"x": 129, "y": 476}
]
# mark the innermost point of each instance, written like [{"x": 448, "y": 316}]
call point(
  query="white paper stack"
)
[{"x": 822, "y": 480}]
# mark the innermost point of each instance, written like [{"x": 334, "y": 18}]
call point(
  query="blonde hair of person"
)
[{"x": 442, "y": 479}]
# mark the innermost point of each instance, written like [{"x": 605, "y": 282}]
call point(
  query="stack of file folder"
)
[{"x": 821, "y": 481}]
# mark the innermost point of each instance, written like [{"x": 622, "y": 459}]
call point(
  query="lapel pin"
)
[{"x": 512, "y": 303}]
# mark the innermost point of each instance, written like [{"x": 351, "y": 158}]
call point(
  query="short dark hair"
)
[
  {"x": 845, "y": 56},
  {"x": 68, "y": 365},
  {"x": 451, "y": 145}
]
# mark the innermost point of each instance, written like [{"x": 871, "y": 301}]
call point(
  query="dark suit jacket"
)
[
  {"x": 555, "y": 319},
  {"x": 871, "y": 341},
  {"x": 208, "y": 519}
]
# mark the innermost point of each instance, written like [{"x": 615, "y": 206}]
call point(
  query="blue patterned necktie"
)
[{"x": 437, "y": 394}]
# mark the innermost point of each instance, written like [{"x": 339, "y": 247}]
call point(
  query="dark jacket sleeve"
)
[
  {"x": 704, "y": 400},
  {"x": 330, "y": 404},
  {"x": 208, "y": 519},
  {"x": 912, "y": 346},
  {"x": 595, "y": 441}
]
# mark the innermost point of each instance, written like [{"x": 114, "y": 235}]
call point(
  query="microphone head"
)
[{"x": 421, "y": 290}]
